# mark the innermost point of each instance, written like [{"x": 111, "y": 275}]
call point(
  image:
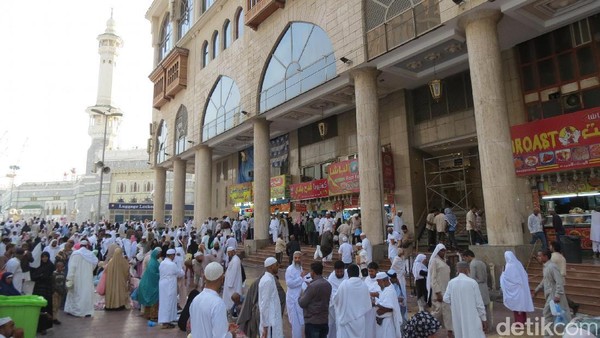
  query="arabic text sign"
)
[
  {"x": 240, "y": 193},
  {"x": 307, "y": 190},
  {"x": 278, "y": 185},
  {"x": 343, "y": 177},
  {"x": 570, "y": 141}
]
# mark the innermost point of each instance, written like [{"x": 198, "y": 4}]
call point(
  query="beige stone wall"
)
[
  {"x": 453, "y": 126},
  {"x": 220, "y": 198}
]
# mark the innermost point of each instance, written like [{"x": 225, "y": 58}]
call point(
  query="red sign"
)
[
  {"x": 570, "y": 141},
  {"x": 343, "y": 177},
  {"x": 308, "y": 190},
  {"x": 387, "y": 165},
  {"x": 300, "y": 207}
]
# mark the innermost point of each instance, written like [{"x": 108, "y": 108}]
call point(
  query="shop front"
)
[
  {"x": 241, "y": 196},
  {"x": 560, "y": 157},
  {"x": 122, "y": 212}
]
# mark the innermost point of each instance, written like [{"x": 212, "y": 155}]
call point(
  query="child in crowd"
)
[{"x": 59, "y": 279}]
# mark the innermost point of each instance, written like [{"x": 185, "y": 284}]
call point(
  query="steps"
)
[{"x": 582, "y": 286}]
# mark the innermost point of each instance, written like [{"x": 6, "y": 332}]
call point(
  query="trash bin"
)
[
  {"x": 24, "y": 311},
  {"x": 571, "y": 248}
]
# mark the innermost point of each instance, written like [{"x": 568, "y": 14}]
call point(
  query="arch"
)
[
  {"x": 186, "y": 16},
  {"x": 215, "y": 45},
  {"x": 165, "y": 38},
  {"x": 239, "y": 23},
  {"x": 226, "y": 34},
  {"x": 222, "y": 110},
  {"x": 161, "y": 142},
  {"x": 181, "y": 127},
  {"x": 205, "y": 56},
  {"x": 302, "y": 59}
]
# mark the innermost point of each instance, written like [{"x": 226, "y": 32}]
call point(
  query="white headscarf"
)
[
  {"x": 437, "y": 250},
  {"x": 418, "y": 266},
  {"x": 515, "y": 285}
]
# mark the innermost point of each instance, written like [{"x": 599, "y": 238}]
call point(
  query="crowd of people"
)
[{"x": 137, "y": 265}]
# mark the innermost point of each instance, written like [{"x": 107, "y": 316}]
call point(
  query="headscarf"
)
[
  {"x": 6, "y": 288},
  {"x": 515, "y": 285},
  {"x": 421, "y": 325},
  {"x": 451, "y": 219},
  {"x": 418, "y": 266},
  {"x": 437, "y": 250},
  {"x": 147, "y": 294},
  {"x": 117, "y": 276}
]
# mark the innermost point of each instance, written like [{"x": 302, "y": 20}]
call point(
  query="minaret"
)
[{"x": 109, "y": 44}]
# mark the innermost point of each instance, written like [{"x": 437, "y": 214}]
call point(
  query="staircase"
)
[{"x": 582, "y": 286}]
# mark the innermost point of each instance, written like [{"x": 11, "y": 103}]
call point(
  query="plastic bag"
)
[
  {"x": 318, "y": 253},
  {"x": 558, "y": 313}
]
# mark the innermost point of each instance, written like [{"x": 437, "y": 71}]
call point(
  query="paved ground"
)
[{"x": 130, "y": 324}]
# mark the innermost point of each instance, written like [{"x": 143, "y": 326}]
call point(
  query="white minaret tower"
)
[{"x": 104, "y": 116}]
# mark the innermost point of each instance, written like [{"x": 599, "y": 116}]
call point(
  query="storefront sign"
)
[
  {"x": 300, "y": 207},
  {"x": 308, "y": 190},
  {"x": 387, "y": 166},
  {"x": 131, "y": 206},
  {"x": 343, "y": 177},
  {"x": 240, "y": 193},
  {"x": 278, "y": 185},
  {"x": 275, "y": 209},
  {"x": 570, "y": 141}
]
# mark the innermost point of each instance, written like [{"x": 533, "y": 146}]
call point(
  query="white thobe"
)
[
  {"x": 14, "y": 265},
  {"x": 269, "y": 307},
  {"x": 326, "y": 224},
  {"x": 346, "y": 251},
  {"x": 390, "y": 327},
  {"x": 399, "y": 265},
  {"x": 233, "y": 281},
  {"x": 230, "y": 242},
  {"x": 366, "y": 244},
  {"x": 167, "y": 291},
  {"x": 80, "y": 299},
  {"x": 352, "y": 302},
  {"x": 595, "y": 230},
  {"x": 208, "y": 316},
  {"x": 335, "y": 283},
  {"x": 372, "y": 285},
  {"x": 274, "y": 227},
  {"x": 466, "y": 304},
  {"x": 398, "y": 223},
  {"x": 393, "y": 240},
  {"x": 294, "y": 281}
]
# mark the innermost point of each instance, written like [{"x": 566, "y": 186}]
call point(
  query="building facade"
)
[{"x": 363, "y": 105}]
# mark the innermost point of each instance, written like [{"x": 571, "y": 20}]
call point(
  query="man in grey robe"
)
[
  {"x": 553, "y": 286},
  {"x": 480, "y": 275}
]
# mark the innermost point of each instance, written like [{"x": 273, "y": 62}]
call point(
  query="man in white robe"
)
[
  {"x": 366, "y": 244},
  {"x": 336, "y": 277},
  {"x": 393, "y": 238},
  {"x": 294, "y": 278},
  {"x": 80, "y": 282},
  {"x": 208, "y": 313},
  {"x": 167, "y": 290},
  {"x": 52, "y": 250},
  {"x": 389, "y": 318},
  {"x": 351, "y": 302},
  {"x": 14, "y": 265},
  {"x": 271, "y": 325},
  {"x": 374, "y": 291},
  {"x": 466, "y": 304},
  {"x": 274, "y": 228},
  {"x": 233, "y": 278}
]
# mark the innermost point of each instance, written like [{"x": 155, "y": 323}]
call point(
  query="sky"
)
[{"x": 50, "y": 74}]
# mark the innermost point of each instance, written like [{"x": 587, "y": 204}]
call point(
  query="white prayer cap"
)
[
  {"x": 392, "y": 273},
  {"x": 270, "y": 261},
  {"x": 5, "y": 320},
  {"x": 297, "y": 253},
  {"x": 230, "y": 249},
  {"x": 213, "y": 271},
  {"x": 344, "y": 239},
  {"x": 362, "y": 234},
  {"x": 198, "y": 254},
  {"x": 144, "y": 237},
  {"x": 84, "y": 242},
  {"x": 171, "y": 252},
  {"x": 359, "y": 244},
  {"x": 381, "y": 275}
]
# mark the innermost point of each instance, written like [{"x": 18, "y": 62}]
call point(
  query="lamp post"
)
[
  {"x": 11, "y": 175},
  {"x": 100, "y": 165}
]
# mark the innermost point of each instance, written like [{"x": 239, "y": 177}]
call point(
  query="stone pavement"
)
[{"x": 130, "y": 324}]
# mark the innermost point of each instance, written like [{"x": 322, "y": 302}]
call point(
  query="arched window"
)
[
  {"x": 181, "y": 127},
  {"x": 206, "y": 5},
  {"x": 205, "y": 57},
  {"x": 222, "y": 109},
  {"x": 134, "y": 187},
  {"x": 122, "y": 188},
  {"x": 165, "y": 38},
  {"x": 239, "y": 23},
  {"x": 161, "y": 150},
  {"x": 226, "y": 34},
  {"x": 215, "y": 44},
  {"x": 302, "y": 60},
  {"x": 186, "y": 16}
]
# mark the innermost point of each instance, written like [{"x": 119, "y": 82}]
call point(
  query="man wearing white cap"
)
[
  {"x": 388, "y": 316},
  {"x": 167, "y": 290},
  {"x": 208, "y": 313},
  {"x": 7, "y": 329},
  {"x": 233, "y": 277},
  {"x": 366, "y": 244},
  {"x": 345, "y": 251},
  {"x": 351, "y": 303},
  {"x": 271, "y": 325},
  {"x": 198, "y": 268},
  {"x": 80, "y": 282},
  {"x": 361, "y": 259},
  {"x": 398, "y": 222},
  {"x": 466, "y": 304},
  {"x": 294, "y": 278}
]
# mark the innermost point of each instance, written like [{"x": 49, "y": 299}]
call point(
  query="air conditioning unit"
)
[
  {"x": 571, "y": 101},
  {"x": 454, "y": 163}
]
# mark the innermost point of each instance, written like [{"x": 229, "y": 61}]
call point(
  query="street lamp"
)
[
  {"x": 100, "y": 165},
  {"x": 12, "y": 175}
]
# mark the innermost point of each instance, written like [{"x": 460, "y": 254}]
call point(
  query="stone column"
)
[
  {"x": 203, "y": 188},
  {"x": 369, "y": 154},
  {"x": 178, "y": 210},
  {"x": 160, "y": 184},
  {"x": 262, "y": 187},
  {"x": 498, "y": 177}
]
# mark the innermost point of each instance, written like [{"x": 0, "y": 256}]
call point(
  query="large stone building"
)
[{"x": 376, "y": 105}]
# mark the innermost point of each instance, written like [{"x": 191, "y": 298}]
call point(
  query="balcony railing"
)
[
  {"x": 170, "y": 76},
  {"x": 259, "y": 10}
]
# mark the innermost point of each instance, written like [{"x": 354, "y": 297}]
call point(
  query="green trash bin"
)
[{"x": 24, "y": 311}]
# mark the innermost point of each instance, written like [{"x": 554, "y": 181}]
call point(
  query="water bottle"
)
[{"x": 151, "y": 323}]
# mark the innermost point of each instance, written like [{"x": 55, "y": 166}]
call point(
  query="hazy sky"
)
[{"x": 50, "y": 73}]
